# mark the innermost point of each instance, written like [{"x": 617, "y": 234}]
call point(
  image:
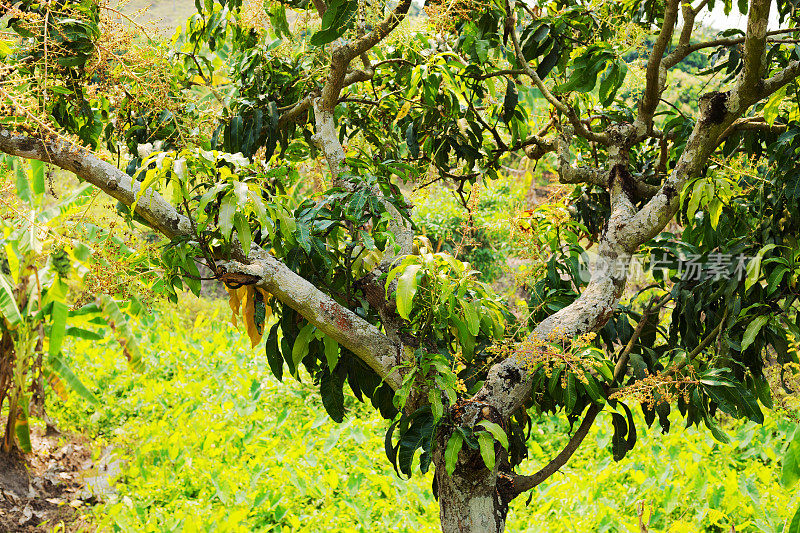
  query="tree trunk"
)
[{"x": 469, "y": 500}]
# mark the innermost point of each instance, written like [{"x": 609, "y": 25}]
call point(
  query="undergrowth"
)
[{"x": 211, "y": 442}]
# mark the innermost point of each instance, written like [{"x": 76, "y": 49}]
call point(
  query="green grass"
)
[{"x": 211, "y": 442}]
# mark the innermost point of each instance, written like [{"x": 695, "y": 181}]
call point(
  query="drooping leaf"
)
[
  {"x": 790, "y": 471},
  {"x": 510, "y": 101},
  {"x": 793, "y": 524},
  {"x": 618, "y": 443},
  {"x": 227, "y": 210},
  {"x": 454, "y": 444},
  {"x": 300, "y": 348},
  {"x": 406, "y": 289},
  {"x": 58, "y": 327},
  {"x": 486, "y": 443},
  {"x": 496, "y": 431},
  {"x": 8, "y": 304},
  {"x": 274, "y": 358},
  {"x": 60, "y": 367},
  {"x": 331, "y": 352},
  {"x": 332, "y": 395},
  {"x": 752, "y": 330}
]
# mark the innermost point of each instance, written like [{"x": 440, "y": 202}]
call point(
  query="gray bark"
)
[{"x": 469, "y": 500}]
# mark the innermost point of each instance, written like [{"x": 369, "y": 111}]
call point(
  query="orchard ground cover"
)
[{"x": 208, "y": 440}]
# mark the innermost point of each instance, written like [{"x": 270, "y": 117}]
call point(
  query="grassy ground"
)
[{"x": 211, "y": 442}]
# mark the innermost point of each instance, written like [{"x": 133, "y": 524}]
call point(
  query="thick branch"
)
[
  {"x": 344, "y": 54},
  {"x": 333, "y": 319},
  {"x": 755, "y": 43},
  {"x": 327, "y": 140},
  {"x": 683, "y": 50},
  {"x": 294, "y": 112},
  {"x": 341, "y": 324},
  {"x": 569, "y": 173},
  {"x": 526, "y": 483},
  {"x": 159, "y": 213},
  {"x": 785, "y": 76},
  {"x": 656, "y": 73}
]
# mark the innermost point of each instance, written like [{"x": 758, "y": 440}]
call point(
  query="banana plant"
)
[{"x": 39, "y": 265}]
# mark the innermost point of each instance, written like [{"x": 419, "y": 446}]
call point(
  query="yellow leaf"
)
[
  {"x": 235, "y": 301},
  {"x": 249, "y": 316},
  {"x": 267, "y": 308},
  {"x": 403, "y": 111},
  {"x": 58, "y": 386}
]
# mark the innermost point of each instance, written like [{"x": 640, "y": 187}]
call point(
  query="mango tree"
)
[{"x": 212, "y": 138}]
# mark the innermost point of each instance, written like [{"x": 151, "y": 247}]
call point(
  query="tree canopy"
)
[{"x": 214, "y": 140}]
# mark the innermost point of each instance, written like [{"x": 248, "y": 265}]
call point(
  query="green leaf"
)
[
  {"x": 793, "y": 525},
  {"x": 243, "y": 232},
  {"x": 273, "y": 353},
  {"x": 336, "y": 20},
  {"x": 8, "y": 304},
  {"x": 454, "y": 444},
  {"x": 81, "y": 333},
  {"x": 752, "y": 330},
  {"x": 60, "y": 367},
  {"x": 332, "y": 395},
  {"x": 773, "y": 105},
  {"x": 593, "y": 389},
  {"x": 435, "y": 399},
  {"x": 486, "y": 443},
  {"x": 331, "y": 352},
  {"x": 571, "y": 392},
  {"x": 790, "y": 471},
  {"x": 406, "y": 289},
  {"x": 549, "y": 61},
  {"x": 619, "y": 446},
  {"x": 300, "y": 348},
  {"x": 277, "y": 18},
  {"x": 496, "y": 431},
  {"x": 59, "y": 326},
  {"x": 23, "y": 184},
  {"x": 510, "y": 101},
  {"x": 37, "y": 176},
  {"x": 411, "y": 140},
  {"x": 472, "y": 318},
  {"x": 227, "y": 210}
]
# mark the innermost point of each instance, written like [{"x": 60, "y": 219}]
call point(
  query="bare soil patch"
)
[{"x": 45, "y": 488}]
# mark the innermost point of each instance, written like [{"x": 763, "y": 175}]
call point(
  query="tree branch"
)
[
  {"x": 566, "y": 110},
  {"x": 159, "y": 213},
  {"x": 335, "y": 320},
  {"x": 683, "y": 50},
  {"x": 525, "y": 483},
  {"x": 656, "y": 73},
  {"x": 755, "y": 43},
  {"x": 344, "y": 54},
  {"x": 775, "y": 82},
  {"x": 507, "y": 385}
]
